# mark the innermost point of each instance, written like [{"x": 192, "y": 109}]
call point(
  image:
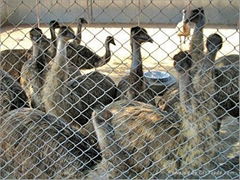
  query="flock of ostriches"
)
[{"x": 57, "y": 123}]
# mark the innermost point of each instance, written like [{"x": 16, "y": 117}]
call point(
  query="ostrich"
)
[
  {"x": 84, "y": 58},
  {"x": 133, "y": 85},
  {"x": 31, "y": 74},
  {"x": 81, "y": 56},
  {"x": 34, "y": 70},
  {"x": 170, "y": 99},
  {"x": 196, "y": 50},
  {"x": 38, "y": 145},
  {"x": 72, "y": 67},
  {"x": 73, "y": 70},
  {"x": 74, "y": 99},
  {"x": 12, "y": 95},
  {"x": 139, "y": 141},
  {"x": 183, "y": 28},
  {"x": 227, "y": 88},
  {"x": 12, "y": 60},
  {"x": 81, "y": 21},
  {"x": 53, "y": 25},
  {"x": 226, "y": 77}
]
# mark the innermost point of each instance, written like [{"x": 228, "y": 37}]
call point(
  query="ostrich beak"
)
[{"x": 150, "y": 40}]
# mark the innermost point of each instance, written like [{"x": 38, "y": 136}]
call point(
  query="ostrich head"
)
[
  {"x": 82, "y": 21},
  {"x": 110, "y": 40},
  {"x": 184, "y": 11},
  {"x": 66, "y": 32},
  {"x": 39, "y": 38},
  {"x": 102, "y": 123},
  {"x": 54, "y": 24},
  {"x": 214, "y": 42},
  {"x": 182, "y": 61},
  {"x": 35, "y": 34},
  {"x": 196, "y": 15},
  {"x": 140, "y": 35}
]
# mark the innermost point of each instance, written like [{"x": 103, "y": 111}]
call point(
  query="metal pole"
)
[
  {"x": 139, "y": 12},
  {"x": 37, "y": 12},
  {"x": 90, "y": 10}
]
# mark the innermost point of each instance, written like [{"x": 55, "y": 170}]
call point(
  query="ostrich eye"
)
[
  {"x": 100, "y": 120},
  {"x": 174, "y": 63}
]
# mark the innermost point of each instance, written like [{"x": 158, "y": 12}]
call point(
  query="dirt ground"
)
[{"x": 156, "y": 56}]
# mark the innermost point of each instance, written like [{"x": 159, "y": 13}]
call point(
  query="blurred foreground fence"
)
[{"x": 119, "y": 102}]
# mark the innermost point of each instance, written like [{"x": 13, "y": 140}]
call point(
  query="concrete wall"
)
[
  {"x": 117, "y": 11},
  {"x": 3, "y": 13}
]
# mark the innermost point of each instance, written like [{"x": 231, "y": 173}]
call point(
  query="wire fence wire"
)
[{"x": 119, "y": 89}]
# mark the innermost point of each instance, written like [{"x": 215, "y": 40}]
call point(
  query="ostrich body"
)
[
  {"x": 227, "y": 60},
  {"x": 34, "y": 70},
  {"x": 42, "y": 146},
  {"x": 12, "y": 95},
  {"x": 139, "y": 141},
  {"x": 74, "y": 99},
  {"x": 133, "y": 86},
  {"x": 227, "y": 88},
  {"x": 12, "y": 60}
]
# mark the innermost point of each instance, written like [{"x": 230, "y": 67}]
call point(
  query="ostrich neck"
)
[
  {"x": 79, "y": 33},
  {"x": 204, "y": 90},
  {"x": 56, "y": 92},
  {"x": 107, "y": 55},
  {"x": 108, "y": 142},
  {"x": 183, "y": 17},
  {"x": 197, "y": 109},
  {"x": 36, "y": 50},
  {"x": 105, "y": 58},
  {"x": 185, "y": 90},
  {"x": 210, "y": 58},
  {"x": 136, "y": 67},
  {"x": 61, "y": 48},
  {"x": 196, "y": 45},
  {"x": 59, "y": 66},
  {"x": 38, "y": 55},
  {"x": 53, "y": 37}
]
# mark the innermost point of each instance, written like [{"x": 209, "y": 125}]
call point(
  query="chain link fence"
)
[{"x": 119, "y": 89}]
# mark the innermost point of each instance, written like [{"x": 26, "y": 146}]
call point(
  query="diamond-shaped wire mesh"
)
[{"x": 119, "y": 89}]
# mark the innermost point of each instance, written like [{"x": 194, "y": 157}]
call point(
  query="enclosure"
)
[{"x": 110, "y": 100}]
